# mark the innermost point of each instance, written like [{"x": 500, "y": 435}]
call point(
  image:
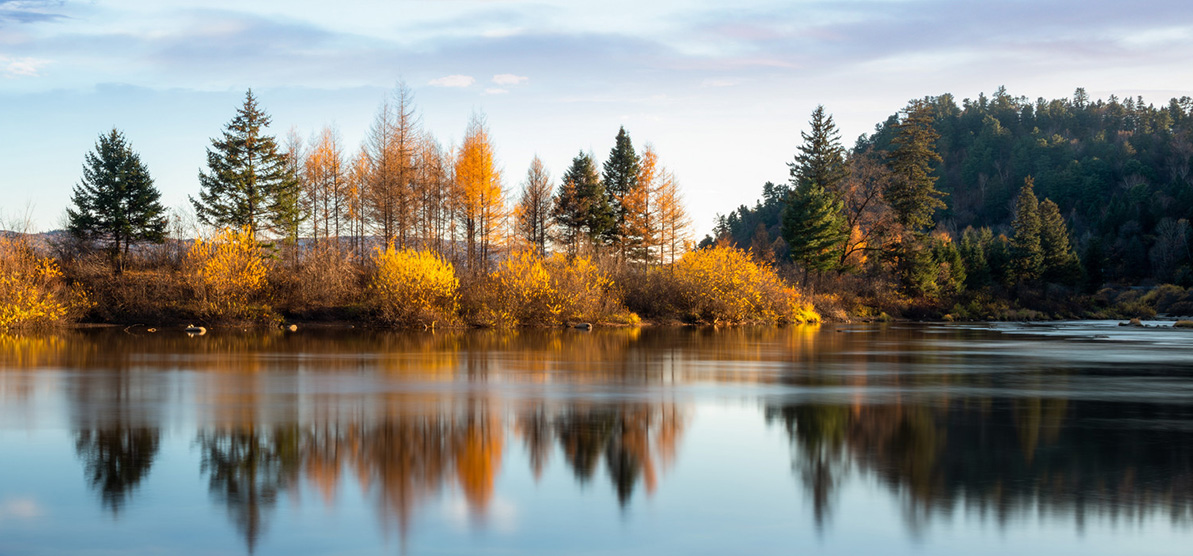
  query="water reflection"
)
[
  {"x": 1000, "y": 459},
  {"x": 945, "y": 421}
]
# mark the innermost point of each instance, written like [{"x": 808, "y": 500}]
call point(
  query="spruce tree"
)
[
  {"x": 912, "y": 193},
  {"x": 620, "y": 178},
  {"x": 821, "y": 158},
  {"x": 116, "y": 202},
  {"x": 1060, "y": 262},
  {"x": 587, "y": 205},
  {"x": 248, "y": 183},
  {"x": 814, "y": 228},
  {"x": 1027, "y": 256}
]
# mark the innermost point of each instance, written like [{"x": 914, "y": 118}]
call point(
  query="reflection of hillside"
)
[{"x": 1003, "y": 459}]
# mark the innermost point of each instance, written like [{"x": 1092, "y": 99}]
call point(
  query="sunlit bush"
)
[
  {"x": 33, "y": 292},
  {"x": 413, "y": 288},
  {"x": 724, "y": 285},
  {"x": 227, "y": 273},
  {"x": 529, "y": 289}
]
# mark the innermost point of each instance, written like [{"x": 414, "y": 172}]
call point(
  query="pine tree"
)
[
  {"x": 620, "y": 179},
  {"x": 814, "y": 227},
  {"x": 1027, "y": 256},
  {"x": 248, "y": 184},
  {"x": 821, "y": 158},
  {"x": 1060, "y": 262},
  {"x": 912, "y": 193},
  {"x": 479, "y": 193},
  {"x": 116, "y": 202}
]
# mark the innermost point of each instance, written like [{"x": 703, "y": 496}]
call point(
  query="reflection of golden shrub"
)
[
  {"x": 33, "y": 292},
  {"x": 723, "y": 284},
  {"x": 227, "y": 272},
  {"x": 529, "y": 289},
  {"x": 413, "y": 287}
]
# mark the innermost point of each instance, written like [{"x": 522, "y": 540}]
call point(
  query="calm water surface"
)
[{"x": 885, "y": 439}]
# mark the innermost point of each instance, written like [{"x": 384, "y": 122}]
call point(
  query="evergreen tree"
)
[
  {"x": 1060, "y": 262},
  {"x": 587, "y": 207},
  {"x": 1028, "y": 257},
  {"x": 116, "y": 202},
  {"x": 821, "y": 158},
  {"x": 249, "y": 183},
  {"x": 912, "y": 193},
  {"x": 621, "y": 179},
  {"x": 814, "y": 227}
]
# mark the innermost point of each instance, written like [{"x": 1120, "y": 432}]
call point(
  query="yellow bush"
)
[
  {"x": 528, "y": 289},
  {"x": 33, "y": 292},
  {"x": 413, "y": 288},
  {"x": 724, "y": 285},
  {"x": 227, "y": 273}
]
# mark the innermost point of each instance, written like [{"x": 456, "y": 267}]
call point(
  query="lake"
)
[{"x": 1070, "y": 438}]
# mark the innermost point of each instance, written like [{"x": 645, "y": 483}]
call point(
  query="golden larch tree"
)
[{"x": 479, "y": 193}]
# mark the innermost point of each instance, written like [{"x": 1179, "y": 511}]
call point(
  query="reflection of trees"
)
[
  {"x": 116, "y": 460},
  {"x": 1001, "y": 458},
  {"x": 635, "y": 440},
  {"x": 247, "y": 469}
]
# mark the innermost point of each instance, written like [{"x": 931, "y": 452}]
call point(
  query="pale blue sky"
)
[{"x": 720, "y": 88}]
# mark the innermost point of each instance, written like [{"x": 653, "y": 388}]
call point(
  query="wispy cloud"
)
[
  {"x": 496, "y": 91},
  {"x": 456, "y": 81},
  {"x": 29, "y": 11},
  {"x": 20, "y": 67},
  {"x": 509, "y": 79}
]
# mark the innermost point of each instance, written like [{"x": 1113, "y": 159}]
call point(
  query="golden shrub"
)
[
  {"x": 413, "y": 288},
  {"x": 227, "y": 273},
  {"x": 724, "y": 285},
  {"x": 33, "y": 292},
  {"x": 529, "y": 289}
]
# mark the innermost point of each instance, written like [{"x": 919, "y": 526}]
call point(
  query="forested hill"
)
[{"x": 1119, "y": 169}]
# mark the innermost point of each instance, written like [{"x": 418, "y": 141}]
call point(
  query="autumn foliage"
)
[
  {"x": 227, "y": 274},
  {"x": 724, "y": 285},
  {"x": 413, "y": 288},
  {"x": 33, "y": 292},
  {"x": 530, "y": 289}
]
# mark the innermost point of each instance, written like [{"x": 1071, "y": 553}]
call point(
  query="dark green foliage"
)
[
  {"x": 620, "y": 178},
  {"x": 974, "y": 244},
  {"x": 912, "y": 193},
  {"x": 248, "y": 183},
  {"x": 821, "y": 158},
  {"x": 1060, "y": 264},
  {"x": 1093, "y": 263},
  {"x": 581, "y": 206},
  {"x": 1028, "y": 257},
  {"x": 951, "y": 274},
  {"x": 116, "y": 203},
  {"x": 814, "y": 227},
  {"x": 740, "y": 225}
]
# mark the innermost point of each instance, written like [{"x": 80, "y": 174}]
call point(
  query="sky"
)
[{"x": 720, "y": 89}]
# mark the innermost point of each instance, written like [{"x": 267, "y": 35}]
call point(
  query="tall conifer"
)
[
  {"x": 116, "y": 202},
  {"x": 248, "y": 183}
]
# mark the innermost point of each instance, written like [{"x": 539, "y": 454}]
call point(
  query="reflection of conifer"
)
[
  {"x": 247, "y": 470},
  {"x": 117, "y": 460}
]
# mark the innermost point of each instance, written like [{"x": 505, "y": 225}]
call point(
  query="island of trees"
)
[{"x": 996, "y": 208}]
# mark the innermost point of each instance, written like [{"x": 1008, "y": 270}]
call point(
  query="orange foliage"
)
[{"x": 479, "y": 194}]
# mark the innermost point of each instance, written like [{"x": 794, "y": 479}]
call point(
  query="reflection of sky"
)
[{"x": 737, "y": 80}]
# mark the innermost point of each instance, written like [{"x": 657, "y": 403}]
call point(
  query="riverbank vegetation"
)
[
  {"x": 994, "y": 208},
  {"x": 405, "y": 232}
]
